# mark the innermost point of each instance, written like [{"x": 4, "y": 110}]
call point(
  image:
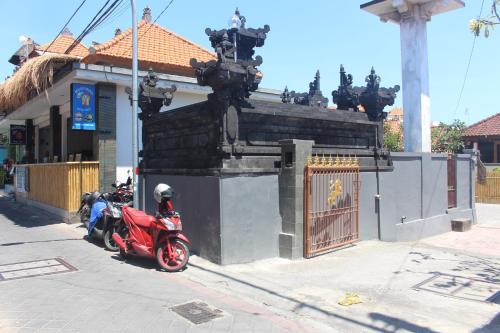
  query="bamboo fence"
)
[
  {"x": 61, "y": 184},
  {"x": 489, "y": 191}
]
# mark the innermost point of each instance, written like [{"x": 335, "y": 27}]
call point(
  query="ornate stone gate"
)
[{"x": 331, "y": 203}]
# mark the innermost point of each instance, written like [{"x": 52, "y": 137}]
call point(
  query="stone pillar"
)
[
  {"x": 412, "y": 17},
  {"x": 30, "y": 137},
  {"x": 294, "y": 155},
  {"x": 55, "y": 133},
  {"x": 37, "y": 144},
  {"x": 106, "y": 133},
  {"x": 64, "y": 137},
  {"x": 415, "y": 72}
]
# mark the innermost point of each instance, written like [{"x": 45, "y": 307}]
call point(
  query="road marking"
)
[
  {"x": 461, "y": 287},
  {"x": 29, "y": 269}
]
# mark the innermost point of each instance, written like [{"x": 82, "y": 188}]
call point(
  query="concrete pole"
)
[
  {"x": 135, "y": 138},
  {"x": 415, "y": 75},
  {"x": 412, "y": 17}
]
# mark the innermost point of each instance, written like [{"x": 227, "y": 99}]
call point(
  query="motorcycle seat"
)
[{"x": 139, "y": 217}]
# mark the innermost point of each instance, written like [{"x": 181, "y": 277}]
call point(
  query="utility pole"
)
[{"x": 135, "y": 138}]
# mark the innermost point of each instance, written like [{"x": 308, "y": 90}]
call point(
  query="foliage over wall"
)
[
  {"x": 448, "y": 138},
  {"x": 393, "y": 136}
]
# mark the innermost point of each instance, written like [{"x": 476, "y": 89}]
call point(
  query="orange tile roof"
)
[
  {"x": 159, "y": 48},
  {"x": 396, "y": 112},
  {"x": 61, "y": 44},
  {"x": 488, "y": 126}
]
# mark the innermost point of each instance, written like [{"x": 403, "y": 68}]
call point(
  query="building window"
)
[{"x": 486, "y": 149}]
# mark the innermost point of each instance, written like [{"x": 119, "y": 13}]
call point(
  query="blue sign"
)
[{"x": 83, "y": 107}]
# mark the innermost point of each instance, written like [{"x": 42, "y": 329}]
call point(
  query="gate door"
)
[
  {"x": 452, "y": 181},
  {"x": 331, "y": 203}
]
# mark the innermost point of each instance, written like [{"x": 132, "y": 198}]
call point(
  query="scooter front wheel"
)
[{"x": 182, "y": 256}]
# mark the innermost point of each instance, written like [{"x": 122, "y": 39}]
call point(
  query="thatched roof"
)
[{"x": 36, "y": 75}]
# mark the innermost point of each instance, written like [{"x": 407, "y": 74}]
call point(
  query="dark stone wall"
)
[
  {"x": 198, "y": 200},
  {"x": 106, "y": 134},
  {"x": 205, "y": 136},
  {"x": 250, "y": 218}
]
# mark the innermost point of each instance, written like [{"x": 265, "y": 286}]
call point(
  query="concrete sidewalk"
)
[
  {"x": 106, "y": 294},
  {"x": 438, "y": 284},
  {"x": 404, "y": 287}
]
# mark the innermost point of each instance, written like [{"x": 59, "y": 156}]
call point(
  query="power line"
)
[
  {"x": 118, "y": 13},
  {"x": 96, "y": 21},
  {"x": 468, "y": 65},
  {"x": 64, "y": 27}
]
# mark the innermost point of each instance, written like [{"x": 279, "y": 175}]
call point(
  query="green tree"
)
[
  {"x": 448, "y": 138},
  {"x": 487, "y": 22},
  {"x": 393, "y": 138}
]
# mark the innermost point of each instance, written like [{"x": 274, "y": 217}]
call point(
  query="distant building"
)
[
  {"x": 44, "y": 106},
  {"x": 485, "y": 136}
]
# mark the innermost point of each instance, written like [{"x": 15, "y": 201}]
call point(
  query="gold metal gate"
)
[{"x": 331, "y": 203}]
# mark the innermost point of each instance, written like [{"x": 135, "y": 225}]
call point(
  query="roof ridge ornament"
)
[
  {"x": 66, "y": 32},
  {"x": 146, "y": 15}
]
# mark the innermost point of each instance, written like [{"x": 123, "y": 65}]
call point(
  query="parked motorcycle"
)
[
  {"x": 109, "y": 220},
  {"x": 157, "y": 236},
  {"x": 122, "y": 195}
]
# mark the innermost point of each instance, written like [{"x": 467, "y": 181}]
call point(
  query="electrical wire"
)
[
  {"x": 64, "y": 27},
  {"x": 468, "y": 65},
  {"x": 96, "y": 21},
  {"x": 118, "y": 13}
]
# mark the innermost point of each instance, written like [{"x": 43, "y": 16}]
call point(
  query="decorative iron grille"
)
[{"x": 331, "y": 203}]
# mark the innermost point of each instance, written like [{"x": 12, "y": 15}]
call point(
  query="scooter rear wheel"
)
[
  {"x": 179, "y": 263},
  {"x": 109, "y": 243}
]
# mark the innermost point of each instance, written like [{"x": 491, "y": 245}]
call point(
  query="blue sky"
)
[{"x": 305, "y": 36}]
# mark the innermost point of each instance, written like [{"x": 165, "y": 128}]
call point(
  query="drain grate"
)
[
  {"x": 461, "y": 287},
  {"x": 197, "y": 312},
  {"x": 28, "y": 269}
]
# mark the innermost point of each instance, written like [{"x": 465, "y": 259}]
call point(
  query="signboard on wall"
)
[
  {"x": 83, "y": 107},
  {"x": 17, "y": 134}
]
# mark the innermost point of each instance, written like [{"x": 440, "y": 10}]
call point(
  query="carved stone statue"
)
[
  {"x": 345, "y": 97},
  {"x": 234, "y": 74},
  {"x": 373, "y": 98},
  {"x": 314, "y": 97},
  {"x": 151, "y": 97},
  {"x": 286, "y": 97}
]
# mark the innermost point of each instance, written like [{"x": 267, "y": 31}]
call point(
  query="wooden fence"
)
[
  {"x": 61, "y": 184},
  {"x": 489, "y": 190}
]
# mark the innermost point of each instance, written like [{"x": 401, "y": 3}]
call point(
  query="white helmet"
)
[{"x": 162, "y": 191}]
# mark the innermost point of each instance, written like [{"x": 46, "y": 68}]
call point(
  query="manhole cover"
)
[
  {"x": 22, "y": 270},
  {"x": 197, "y": 312},
  {"x": 461, "y": 287}
]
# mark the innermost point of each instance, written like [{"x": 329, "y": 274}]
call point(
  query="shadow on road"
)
[
  {"x": 392, "y": 324},
  {"x": 40, "y": 241},
  {"x": 26, "y": 216},
  {"x": 491, "y": 327}
]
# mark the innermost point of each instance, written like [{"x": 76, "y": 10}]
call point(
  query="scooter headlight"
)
[
  {"x": 169, "y": 224},
  {"x": 116, "y": 212}
]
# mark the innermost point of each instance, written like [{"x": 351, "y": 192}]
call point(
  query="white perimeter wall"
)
[{"x": 124, "y": 126}]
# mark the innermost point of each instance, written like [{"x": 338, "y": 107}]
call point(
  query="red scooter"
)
[{"x": 148, "y": 236}]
